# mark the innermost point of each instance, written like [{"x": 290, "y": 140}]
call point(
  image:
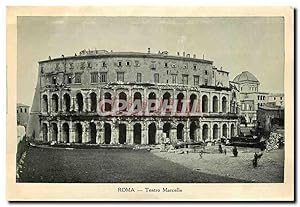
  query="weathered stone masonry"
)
[{"x": 72, "y": 88}]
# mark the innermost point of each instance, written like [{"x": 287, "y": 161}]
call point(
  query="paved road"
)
[{"x": 107, "y": 166}]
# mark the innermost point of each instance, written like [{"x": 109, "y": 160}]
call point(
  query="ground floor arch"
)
[
  {"x": 224, "y": 130},
  {"x": 45, "y": 132},
  {"x": 205, "y": 132},
  {"x": 167, "y": 129},
  {"x": 54, "y": 132},
  {"x": 193, "y": 129},
  {"x": 232, "y": 131},
  {"x": 66, "y": 133},
  {"x": 180, "y": 131},
  {"x": 93, "y": 133},
  {"x": 215, "y": 131},
  {"x": 151, "y": 133},
  {"x": 137, "y": 133},
  {"x": 107, "y": 133},
  {"x": 78, "y": 133},
  {"x": 122, "y": 133}
]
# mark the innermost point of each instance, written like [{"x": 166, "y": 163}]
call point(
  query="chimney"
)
[
  {"x": 178, "y": 54},
  {"x": 75, "y": 54},
  {"x": 183, "y": 54},
  {"x": 62, "y": 56},
  {"x": 49, "y": 57},
  {"x": 148, "y": 49},
  {"x": 188, "y": 55},
  {"x": 194, "y": 56}
]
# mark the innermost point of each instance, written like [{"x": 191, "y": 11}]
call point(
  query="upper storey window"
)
[
  {"x": 205, "y": 82},
  {"x": 205, "y": 72},
  {"x": 120, "y": 64},
  {"x": 103, "y": 77},
  {"x": 89, "y": 65},
  {"x": 153, "y": 66},
  {"x": 82, "y": 65},
  {"x": 71, "y": 65},
  {"x": 195, "y": 67},
  {"x": 156, "y": 77},
  {"x": 104, "y": 64},
  {"x": 136, "y": 63},
  {"x": 120, "y": 76},
  {"x": 94, "y": 77},
  {"x": 185, "y": 66},
  {"x": 173, "y": 65},
  {"x": 185, "y": 79},
  {"x": 196, "y": 80},
  {"x": 128, "y": 63},
  {"x": 77, "y": 77},
  {"x": 166, "y": 65},
  {"x": 69, "y": 79},
  {"x": 174, "y": 78},
  {"x": 139, "y": 77},
  {"x": 54, "y": 80}
]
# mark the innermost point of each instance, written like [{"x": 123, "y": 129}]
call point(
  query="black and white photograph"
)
[{"x": 151, "y": 99}]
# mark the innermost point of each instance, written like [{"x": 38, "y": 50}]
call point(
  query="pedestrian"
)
[
  {"x": 235, "y": 151},
  {"x": 201, "y": 153},
  {"x": 225, "y": 151},
  {"x": 220, "y": 149},
  {"x": 256, "y": 157}
]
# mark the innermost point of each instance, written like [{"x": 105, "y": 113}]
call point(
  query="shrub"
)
[{"x": 22, "y": 147}]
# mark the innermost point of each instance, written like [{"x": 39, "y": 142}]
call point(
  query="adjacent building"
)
[
  {"x": 251, "y": 98},
  {"x": 22, "y": 114}
]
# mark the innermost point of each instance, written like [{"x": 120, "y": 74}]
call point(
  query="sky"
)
[{"x": 254, "y": 44}]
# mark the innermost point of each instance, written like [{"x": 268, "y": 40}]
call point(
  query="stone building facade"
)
[{"x": 71, "y": 91}]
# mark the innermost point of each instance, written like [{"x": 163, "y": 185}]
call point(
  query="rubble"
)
[{"x": 274, "y": 141}]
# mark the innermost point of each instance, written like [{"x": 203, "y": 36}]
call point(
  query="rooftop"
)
[
  {"x": 245, "y": 76},
  {"x": 104, "y": 53},
  {"x": 22, "y": 105}
]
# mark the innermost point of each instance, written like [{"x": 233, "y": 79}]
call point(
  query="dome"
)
[{"x": 245, "y": 76}]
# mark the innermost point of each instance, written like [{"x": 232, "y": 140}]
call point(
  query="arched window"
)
[
  {"x": 193, "y": 103},
  {"x": 167, "y": 99},
  {"x": 204, "y": 103},
  {"x": 55, "y": 103},
  {"x": 79, "y": 102},
  {"x": 67, "y": 102},
  {"x": 93, "y": 98},
  {"x": 180, "y": 97},
  {"x": 215, "y": 104},
  {"x": 224, "y": 105},
  {"x": 137, "y": 100},
  {"x": 122, "y": 98},
  {"x": 152, "y": 99},
  {"x": 107, "y": 106},
  {"x": 45, "y": 103}
]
